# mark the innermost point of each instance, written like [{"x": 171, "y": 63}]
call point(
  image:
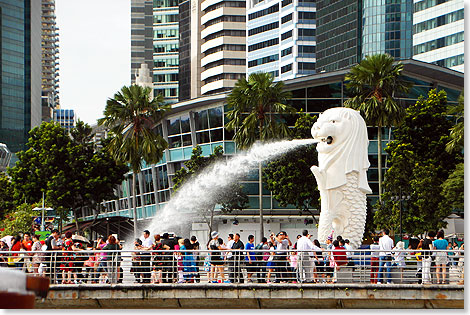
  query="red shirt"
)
[
  {"x": 16, "y": 247},
  {"x": 339, "y": 255},
  {"x": 27, "y": 245}
]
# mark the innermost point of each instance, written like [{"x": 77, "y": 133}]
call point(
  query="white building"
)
[
  {"x": 281, "y": 37},
  {"x": 438, "y": 32}
]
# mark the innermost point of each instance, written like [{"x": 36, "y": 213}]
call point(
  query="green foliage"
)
[
  {"x": 289, "y": 177},
  {"x": 6, "y": 195},
  {"x": 66, "y": 168},
  {"x": 453, "y": 189},
  {"x": 231, "y": 198},
  {"x": 18, "y": 221},
  {"x": 457, "y": 132},
  {"x": 374, "y": 84},
  {"x": 255, "y": 108},
  {"x": 419, "y": 165}
]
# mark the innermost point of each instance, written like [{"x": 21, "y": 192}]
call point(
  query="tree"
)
[
  {"x": 457, "y": 131},
  {"x": 73, "y": 178},
  {"x": 6, "y": 195},
  {"x": 255, "y": 112},
  {"x": 289, "y": 177},
  {"x": 419, "y": 165},
  {"x": 453, "y": 189},
  {"x": 374, "y": 84},
  {"x": 18, "y": 221},
  {"x": 132, "y": 116},
  {"x": 231, "y": 198}
]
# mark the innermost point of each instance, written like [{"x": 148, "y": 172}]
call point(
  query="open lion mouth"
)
[{"x": 328, "y": 139}]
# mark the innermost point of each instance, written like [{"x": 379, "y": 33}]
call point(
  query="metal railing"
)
[{"x": 240, "y": 266}]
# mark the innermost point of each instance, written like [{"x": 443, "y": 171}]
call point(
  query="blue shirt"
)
[
  {"x": 440, "y": 244},
  {"x": 252, "y": 254}
]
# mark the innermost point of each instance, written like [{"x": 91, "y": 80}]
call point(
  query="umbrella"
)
[{"x": 79, "y": 238}]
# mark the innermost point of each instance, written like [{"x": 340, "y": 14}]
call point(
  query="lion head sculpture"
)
[{"x": 342, "y": 146}]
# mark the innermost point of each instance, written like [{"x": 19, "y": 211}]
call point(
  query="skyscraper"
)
[
  {"x": 50, "y": 60},
  {"x": 20, "y": 67},
  {"x": 438, "y": 32},
  {"x": 281, "y": 37},
  {"x": 65, "y": 117},
  {"x": 141, "y": 35},
  {"x": 349, "y": 30}
]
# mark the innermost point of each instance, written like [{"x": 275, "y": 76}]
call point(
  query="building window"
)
[
  {"x": 286, "y": 68},
  {"x": 286, "y": 52},
  {"x": 286, "y": 18},
  {"x": 263, "y": 28},
  {"x": 286, "y": 35},
  {"x": 260, "y": 61},
  {"x": 270, "y": 10},
  {"x": 264, "y": 44}
]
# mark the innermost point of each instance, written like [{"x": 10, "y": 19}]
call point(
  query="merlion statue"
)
[{"x": 341, "y": 175}]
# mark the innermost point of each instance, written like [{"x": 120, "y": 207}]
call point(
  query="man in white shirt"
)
[
  {"x": 386, "y": 246},
  {"x": 145, "y": 263},
  {"x": 304, "y": 262},
  {"x": 229, "y": 245}
]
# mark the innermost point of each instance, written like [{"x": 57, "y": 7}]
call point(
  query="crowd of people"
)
[{"x": 168, "y": 258}]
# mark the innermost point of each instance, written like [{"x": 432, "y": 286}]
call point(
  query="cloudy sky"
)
[{"x": 94, "y": 39}]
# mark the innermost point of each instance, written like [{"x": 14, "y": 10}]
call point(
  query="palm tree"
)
[
  {"x": 132, "y": 116},
  {"x": 374, "y": 83},
  {"x": 254, "y": 107}
]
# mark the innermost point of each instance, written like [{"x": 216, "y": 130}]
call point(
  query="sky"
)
[{"x": 94, "y": 54}]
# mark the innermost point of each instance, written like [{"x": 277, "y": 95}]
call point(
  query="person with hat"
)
[{"x": 217, "y": 262}]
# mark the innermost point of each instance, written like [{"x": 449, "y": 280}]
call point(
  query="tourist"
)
[
  {"x": 374, "y": 260},
  {"x": 37, "y": 257},
  {"x": 189, "y": 261},
  {"x": 169, "y": 264},
  {"x": 339, "y": 255},
  {"x": 399, "y": 258},
  {"x": 217, "y": 262},
  {"x": 235, "y": 268},
  {"x": 292, "y": 267},
  {"x": 91, "y": 264},
  {"x": 385, "y": 259},
  {"x": 427, "y": 256},
  {"x": 329, "y": 261},
  {"x": 319, "y": 263},
  {"x": 305, "y": 262},
  {"x": 250, "y": 258},
  {"x": 262, "y": 256},
  {"x": 16, "y": 258},
  {"x": 27, "y": 244},
  {"x": 282, "y": 243},
  {"x": 197, "y": 259},
  {"x": 112, "y": 259},
  {"x": 4, "y": 256},
  {"x": 136, "y": 262},
  {"x": 102, "y": 271},
  {"x": 441, "y": 245},
  {"x": 349, "y": 252},
  {"x": 51, "y": 258},
  {"x": 147, "y": 244},
  {"x": 67, "y": 265},
  {"x": 460, "y": 265},
  {"x": 179, "y": 259},
  {"x": 270, "y": 262},
  {"x": 157, "y": 262}
]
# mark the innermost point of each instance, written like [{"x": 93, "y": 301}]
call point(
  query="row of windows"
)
[
  {"x": 425, "y": 4},
  {"x": 307, "y": 32},
  {"x": 306, "y": 49},
  {"x": 165, "y": 18},
  {"x": 264, "y": 44},
  {"x": 286, "y": 35},
  {"x": 451, "y": 61},
  {"x": 306, "y": 66},
  {"x": 286, "y": 52},
  {"x": 286, "y": 2},
  {"x": 263, "y": 28},
  {"x": 438, "y": 43},
  {"x": 438, "y": 21},
  {"x": 286, "y": 68},
  {"x": 236, "y": 33},
  {"x": 165, "y": 48},
  {"x": 166, "y": 33},
  {"x": 224, "y": 76},
  {"x": 169, "y": 92},
  {"x": 226, "y": 18},
  {"x": 261, "y": 61},
  {"x": 165, "y": 3},
  {"x": 225, "y": 4},
  {"x": 178, "y": 125},
  {"x": 307, "y": 15},
  {"x": 230, "y": 62},
  {"x": 286, "y": 18},
  {"x": 225, "y": 47},
  {"x": 168, "y": 77},
  {"x": 165, "y": 63},
  {"x": 258, "y": 14}
]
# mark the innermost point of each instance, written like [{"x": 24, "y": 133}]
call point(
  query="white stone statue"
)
[{"x": 341, "y": 176}]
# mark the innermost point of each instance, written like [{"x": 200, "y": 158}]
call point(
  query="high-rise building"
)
[
  {"x": 281, "y": 37},
  {"x": 141, "y": 35},
  {"x": 50, "y": 60},
  {"x": 438, "y": 32},
  {"x": 65, "y": 117},
  {"x": 223, "y": 44},
  {"x": 349, "y": 30},
  {"x": 20, "y": 67},
  {"x": 165, "y": 45}
]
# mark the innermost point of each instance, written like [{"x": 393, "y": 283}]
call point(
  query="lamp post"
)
[{"x": 400, "y": 198}]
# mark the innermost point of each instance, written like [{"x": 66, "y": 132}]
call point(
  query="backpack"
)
[
  {"x": 259, "y": 255},
  {"x": 48, "y": 242}
]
